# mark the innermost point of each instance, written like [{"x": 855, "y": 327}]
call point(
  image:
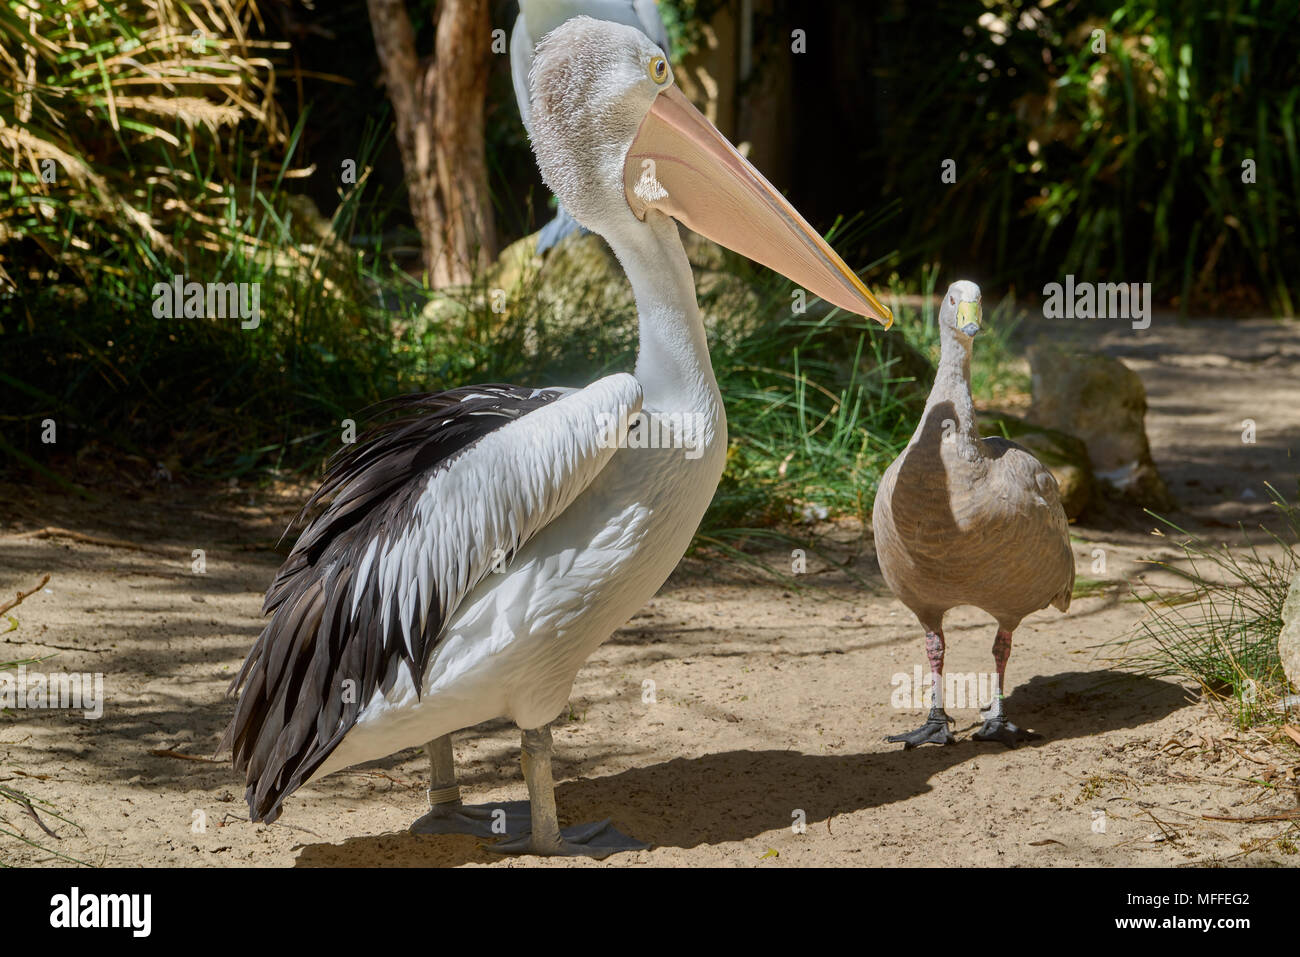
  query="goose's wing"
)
[
  {"x": 414, "y": 516},
  {"x": 1022, "y": 502}
]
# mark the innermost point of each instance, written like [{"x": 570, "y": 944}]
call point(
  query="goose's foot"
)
[
  {"x": 598, "y": 840},
  {"x": 934, "y": 731},
  {"x": 998, "y": 728},
  {"x": 481, "y": 820}
]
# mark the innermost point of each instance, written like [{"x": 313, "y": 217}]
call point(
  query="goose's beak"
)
[
  {"x": 969, "y": 314},
  {"x": 681, "y": 165}
]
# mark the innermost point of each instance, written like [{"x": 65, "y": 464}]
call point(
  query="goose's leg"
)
[
  {"x": 447, "y": 815},
  {"x": 546, "y": 839},
  {"x": 935, "y": 730},
  {"x": 996, "y": 726}
]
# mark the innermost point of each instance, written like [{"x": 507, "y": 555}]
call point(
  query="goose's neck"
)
[
  {"x": 673, "y": 357},
  {"x": 952, "y": 385}
]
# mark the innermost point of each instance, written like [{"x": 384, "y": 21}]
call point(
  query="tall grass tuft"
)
[
  {"x": 114, "y": 120},
  {"x": 1222, "y": 630}
]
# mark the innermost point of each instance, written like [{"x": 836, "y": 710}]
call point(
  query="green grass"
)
[
  {"x": 1088, "y": 587},
  {"x": 1221, "y": 631}
]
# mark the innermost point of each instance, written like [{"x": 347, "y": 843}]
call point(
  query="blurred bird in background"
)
[{"x": 538, "y": 18}]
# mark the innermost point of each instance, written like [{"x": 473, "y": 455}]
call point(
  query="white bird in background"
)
[
  {"x": 471, "y": 555},
  {"x": 538, "y": 18}
]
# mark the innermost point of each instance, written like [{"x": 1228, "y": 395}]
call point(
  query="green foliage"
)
[
  {"x": 1125, "y": 165},
  {"x": 115, "y": 121},
  {"x": 685, "y": 21},
  {"x": 204, "y": 395}
]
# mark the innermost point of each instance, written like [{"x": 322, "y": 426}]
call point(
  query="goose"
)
[
  {"x": 467, "y": 556},
  {"x": 538, "y": 18},
  {"x": 961, "y": 520}
]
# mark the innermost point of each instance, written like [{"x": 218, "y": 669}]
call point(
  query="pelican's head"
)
[
  {"x": 617, "y": 141},
  {"x": 961, "y": 310}
]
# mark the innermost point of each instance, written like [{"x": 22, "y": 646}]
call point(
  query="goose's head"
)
[
  {"x": 961, "y": 310},
  {"x": 617, "y": 142}
]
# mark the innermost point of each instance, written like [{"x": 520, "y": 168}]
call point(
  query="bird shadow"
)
[{"x": 730, "y": 796}]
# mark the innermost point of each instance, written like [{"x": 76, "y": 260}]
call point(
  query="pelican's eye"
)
[{"x": 658, "y": 69}]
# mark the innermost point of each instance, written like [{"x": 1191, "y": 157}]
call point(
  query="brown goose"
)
[{"x": 961, "y": 520}]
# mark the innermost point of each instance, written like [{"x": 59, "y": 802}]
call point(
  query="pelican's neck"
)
[{"x": 673, "y": 358}]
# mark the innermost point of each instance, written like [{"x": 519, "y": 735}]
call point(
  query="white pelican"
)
[
  {"x": 538, "y": 18},
  {"x": 471, "y": 555}
]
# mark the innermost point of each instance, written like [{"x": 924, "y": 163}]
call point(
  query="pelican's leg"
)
[
  {"x": 557, "y": 229},
  {"x": 447, "y": 815},
  {"x": 935, "y": 730},
  {"x": 996, "y": 726},
  {"x": 546, "y": 838}
]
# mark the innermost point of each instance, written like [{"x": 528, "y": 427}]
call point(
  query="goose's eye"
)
[
  {"x": 658, "y": 69},
  {"x": 952, "y": 301}
]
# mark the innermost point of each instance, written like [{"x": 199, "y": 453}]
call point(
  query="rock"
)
[
  {"x": 580, "y": 283},
  {"x": 1065, "y": 456},
  {"x": 1288, "y": 641},
  {"x": 578, "y": 288},
  {"x": 1102, "y": 401},
  {"x": 703, "y": 253},
  {"x": 729, "y": 306}
]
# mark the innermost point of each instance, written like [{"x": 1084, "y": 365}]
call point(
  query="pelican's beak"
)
[{"x": 681, "y": 165}]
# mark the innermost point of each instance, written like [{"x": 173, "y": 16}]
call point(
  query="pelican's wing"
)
[{"x": 417, "y": 513}]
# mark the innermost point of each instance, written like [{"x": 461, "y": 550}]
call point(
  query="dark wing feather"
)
[{"x": 295, "y": 707}]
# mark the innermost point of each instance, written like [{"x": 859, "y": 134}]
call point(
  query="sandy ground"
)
[{"x": 771, "y": 704}]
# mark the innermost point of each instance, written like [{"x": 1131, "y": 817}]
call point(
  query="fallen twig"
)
[
  {"x": 1260, "y": 819},
  {"x": 53, "y": 531},
  {"x": 27, "y": 806},
  {"x": 172, "y": 753},
  {"x": 22, "y": 595}
]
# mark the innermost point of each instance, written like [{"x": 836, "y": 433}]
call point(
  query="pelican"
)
[
  {"x": 538, "y": 18},
  {"x": 472, "y": 553}
]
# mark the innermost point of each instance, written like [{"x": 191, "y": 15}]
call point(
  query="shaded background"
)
[{"x": 1119, "y": 164}]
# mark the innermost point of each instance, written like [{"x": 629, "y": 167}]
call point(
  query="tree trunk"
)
[{"x": 438, "y": 105}]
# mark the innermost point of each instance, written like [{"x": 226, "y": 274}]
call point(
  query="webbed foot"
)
[
  {"x": 481, "y": 820},
  {"x": 934, "y": 731},
  {"x": 1000, "y": 729},
  {"x": 598, "y": 840}
]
